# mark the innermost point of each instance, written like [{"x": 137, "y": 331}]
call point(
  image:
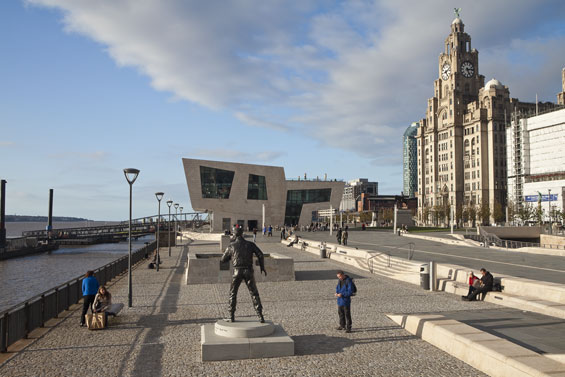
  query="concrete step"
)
[
  {"x": 521, "y": 302},
  {"x": 486, "y": 352}
]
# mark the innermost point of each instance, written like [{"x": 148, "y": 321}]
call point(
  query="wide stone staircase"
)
[{"x": 375, "y": 262}]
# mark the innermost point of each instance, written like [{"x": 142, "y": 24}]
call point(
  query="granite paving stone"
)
[{"x": 160, "y": 334}]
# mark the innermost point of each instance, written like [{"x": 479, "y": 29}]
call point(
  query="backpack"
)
[{"x": 353, "y": 287}]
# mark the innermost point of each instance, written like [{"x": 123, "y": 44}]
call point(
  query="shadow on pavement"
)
[
  {"x": 320, "y": 344},
  {"x": 321, "y": 275}
]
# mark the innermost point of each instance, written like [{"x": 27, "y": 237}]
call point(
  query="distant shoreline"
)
[{"x": 24, "y": 218}]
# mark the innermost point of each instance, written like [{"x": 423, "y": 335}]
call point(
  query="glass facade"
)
[
  {"x": 296, "y": 198},
  {"x": 216, "y": 183},
  {"x": 410, "y": 163},
  {"x": 257, "y": 187}
]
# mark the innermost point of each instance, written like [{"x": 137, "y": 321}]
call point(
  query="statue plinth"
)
[{"x": 245, "y": 338}]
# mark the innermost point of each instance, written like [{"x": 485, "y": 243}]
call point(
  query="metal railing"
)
[
  {"x": 370, "y": 260},
  {"x": 491, "y": 240},
  {"x": 17, "y": 322}
]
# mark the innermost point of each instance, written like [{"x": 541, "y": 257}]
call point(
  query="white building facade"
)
[{"x": 536, "y": 161}]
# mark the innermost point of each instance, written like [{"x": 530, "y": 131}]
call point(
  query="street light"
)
[
  {"x": 180, "y": 209},
  {"x": 169, "y": 203},
  {"x": 176, "y": 220},
  {"x": 549, "y": 213},
  {"x": 131, "y": 175},
  {"x": 159, "y": 196}
]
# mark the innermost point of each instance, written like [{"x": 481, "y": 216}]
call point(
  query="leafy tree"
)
[
  {"x": 538, "y": 215},
  {"x": 484, "y": 212},
  {"x": 366, "y": 216},
  {"x": 525, "y": 213},
  {"x": 472, "y": 211},
  {"x": 425, "y": 215},
  {"x": 498, "y": 213},
  {"x": 459, "y": 210}
]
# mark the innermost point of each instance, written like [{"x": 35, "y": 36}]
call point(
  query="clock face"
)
[
  {"x": 445, "y": 71},
  {"x": 467, "y": 69}
]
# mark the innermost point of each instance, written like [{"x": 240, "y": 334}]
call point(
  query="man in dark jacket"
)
[
  {"x": 241, "y": 253},
  {"x": 487, "y": 282},
  {"x": 343, "y": 292}
]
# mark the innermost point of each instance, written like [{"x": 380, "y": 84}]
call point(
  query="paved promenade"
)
[
  {"x": 160, "y": 335},
  {"x": 531, "y": 266}
]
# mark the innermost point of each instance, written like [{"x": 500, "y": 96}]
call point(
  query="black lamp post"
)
[
  {"x": 159, "y": 196},
  {"x": 131, "y": 175},
  {"x": 180, "y": 209},
  {"x": 176, "y": 220},
  {"x": 169, "y": 203}
]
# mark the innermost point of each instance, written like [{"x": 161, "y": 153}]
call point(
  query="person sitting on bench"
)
[{"x": 487, "y": 282}]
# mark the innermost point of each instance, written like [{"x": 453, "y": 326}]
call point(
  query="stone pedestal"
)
[
  {"x": 244, "y": 339},
  {"x": 224, "y": 242}
]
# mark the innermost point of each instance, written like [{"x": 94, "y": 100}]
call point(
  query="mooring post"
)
[
  {"x": 50, "y": 218},
  {"x": 3, "y": 214}
]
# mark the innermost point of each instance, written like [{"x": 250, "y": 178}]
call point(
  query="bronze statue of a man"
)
[{"x": 241, "y": 253}]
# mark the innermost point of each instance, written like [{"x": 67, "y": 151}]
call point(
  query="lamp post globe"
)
[
  {"x": 131, "y": 175},
  {"x": 169, "y": 203},
  {"x": 159, "y": 196}
]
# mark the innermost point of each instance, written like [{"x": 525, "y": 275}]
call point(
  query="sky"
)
[{"x": 88, "y": 88}]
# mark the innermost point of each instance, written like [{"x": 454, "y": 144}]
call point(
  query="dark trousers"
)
[
  {"x": 345, "y": 242},
  {"x": 471, "y": 290},
  {"x": 344, "y": 316},
  {"x": 87, "y": 302},
  {"x": 477, "y": 291},
  {"x": 244, "y": 274}
]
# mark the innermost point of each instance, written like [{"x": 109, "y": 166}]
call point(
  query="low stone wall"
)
[
  {"x": 513, "y": 232},
  {"x": 202, "y": 236},
  {"x": 552, "y": 242},
  {"x": 205, "y": 268}
]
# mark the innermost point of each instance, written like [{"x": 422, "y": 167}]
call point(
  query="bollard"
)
[{"x": 433, "y": 273}]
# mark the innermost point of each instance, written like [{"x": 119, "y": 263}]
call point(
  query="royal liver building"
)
[{"x": 461, "y": 142}]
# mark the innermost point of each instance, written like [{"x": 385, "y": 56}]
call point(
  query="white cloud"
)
[
  {"x": 7, "y": 144},
  {"x": 236, "y": 155},
  {"x": 92, "y": 156},
  {"x": 256, "y": 122},
  {"x": 352, "y": 74}
]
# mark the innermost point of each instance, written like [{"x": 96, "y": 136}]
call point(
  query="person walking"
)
[
  {"x": 283, "y": 233},
  {"x": 270, "y": 230},
  {"x": 338, "y": 236},
  {"x": 345, "y": 236},
  {"x": 89, "y": 289},
  {"x": 343, "y": 292},
  {"x": 254, "y": 234}
]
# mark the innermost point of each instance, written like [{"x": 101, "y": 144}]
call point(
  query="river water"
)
[{"x": 26, "y": 277}]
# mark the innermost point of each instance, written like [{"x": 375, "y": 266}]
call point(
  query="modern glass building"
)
[
  {"x": 410, "y": 161},
  {"x": 239, "y": 193}
]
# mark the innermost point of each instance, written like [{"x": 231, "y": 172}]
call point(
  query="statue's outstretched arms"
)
[
  {"x": 227, "y": 254},
  {"x": 260, "y": 258}
]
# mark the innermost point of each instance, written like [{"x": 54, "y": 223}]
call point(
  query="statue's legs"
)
[
  {"x": 238, "y": 276},
  {"x": 252, "y": 286}
]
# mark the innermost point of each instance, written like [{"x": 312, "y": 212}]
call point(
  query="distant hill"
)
[{"x": 22, "y": 218}]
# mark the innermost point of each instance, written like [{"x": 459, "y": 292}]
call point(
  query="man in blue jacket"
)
[
  {"x": 89, "y": 290},
  {"x": 343, "y": 292}
]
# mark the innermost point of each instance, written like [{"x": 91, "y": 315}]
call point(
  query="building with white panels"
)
[{"x": 536, "y": 161}]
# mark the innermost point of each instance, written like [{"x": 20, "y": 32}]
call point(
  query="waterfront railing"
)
[{"x": 17, "y": 322}]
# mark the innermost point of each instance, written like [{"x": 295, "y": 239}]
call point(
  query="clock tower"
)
[{"x": 457, "y": 139}]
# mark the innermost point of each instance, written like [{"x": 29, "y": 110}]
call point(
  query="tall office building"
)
[
  {"x": 461, "y": 142},
  {"x": 536, "y": 162},
  {"x": 410, "y": 161},
  {"x": 561, "y": 96}
]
